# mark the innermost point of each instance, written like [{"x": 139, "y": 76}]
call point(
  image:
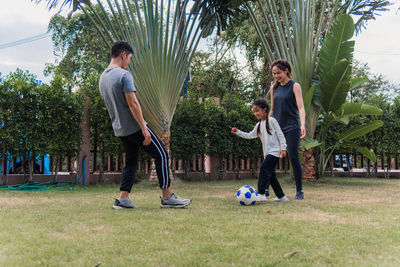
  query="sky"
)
[{"x": 378, "y": 45}]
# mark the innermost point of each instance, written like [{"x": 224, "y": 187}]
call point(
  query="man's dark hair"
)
[{"x": 119, "y": 47}]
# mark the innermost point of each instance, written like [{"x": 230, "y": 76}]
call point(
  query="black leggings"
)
[
  {"x": 293, "y": 142},
  {"x": 155, "y": 149}
]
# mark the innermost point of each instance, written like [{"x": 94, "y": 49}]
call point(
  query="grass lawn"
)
[{"x": 342, "y": 222}]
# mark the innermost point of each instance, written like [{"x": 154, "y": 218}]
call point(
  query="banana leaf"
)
[{"x": 361, "y": 130}]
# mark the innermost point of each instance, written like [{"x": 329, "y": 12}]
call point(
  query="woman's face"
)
[
  {"x": 279, "y": 75},
  {"x": 261, "y": 114}
]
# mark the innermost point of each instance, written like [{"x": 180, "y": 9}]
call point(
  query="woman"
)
[{"x": 288, "y": 109}]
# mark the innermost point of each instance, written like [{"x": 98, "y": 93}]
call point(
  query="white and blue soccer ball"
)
[{"x": 246, "y": 195}]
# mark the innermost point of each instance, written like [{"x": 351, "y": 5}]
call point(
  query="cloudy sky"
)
[{"x": 378, "y": 45}]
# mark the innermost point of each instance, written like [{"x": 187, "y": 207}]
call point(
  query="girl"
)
[
  {"x": 274, "y": 146},
  {"x": 287, "y": 108}
]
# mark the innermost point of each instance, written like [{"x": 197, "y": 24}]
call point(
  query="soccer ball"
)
[{"x": 246, "y": 195}]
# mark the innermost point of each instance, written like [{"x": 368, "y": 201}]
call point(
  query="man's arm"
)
[{"x": 136, "y": 111}]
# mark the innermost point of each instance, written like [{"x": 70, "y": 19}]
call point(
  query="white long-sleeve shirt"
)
[{"x": 272, "y": 144}]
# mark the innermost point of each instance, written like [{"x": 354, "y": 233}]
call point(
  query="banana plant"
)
[
  {"x": 342, "y": 116},
  {"x": 334, "y": 70}
]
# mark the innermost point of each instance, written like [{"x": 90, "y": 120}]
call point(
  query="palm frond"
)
[
  {"x": 294, "y": 34},
  {"x": 164, "y": 40}
]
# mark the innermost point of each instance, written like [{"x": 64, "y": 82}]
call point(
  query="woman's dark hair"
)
[
  {"x": 282, "y": 64},
  {"x": 262, "y": 104},
  {"x": 120, "y": 46}
]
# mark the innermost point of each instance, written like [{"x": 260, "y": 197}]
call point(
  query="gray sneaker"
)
[
  {"x": 175, "y": 202},
  {"x": 118, "y": 205}
]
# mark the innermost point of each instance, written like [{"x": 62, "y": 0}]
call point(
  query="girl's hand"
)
[
  {"x": 234, "y": 130},
  {"x": 282, "y": 154}
]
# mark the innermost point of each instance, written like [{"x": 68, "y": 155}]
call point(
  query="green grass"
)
[{"x": 342, "y": 222}]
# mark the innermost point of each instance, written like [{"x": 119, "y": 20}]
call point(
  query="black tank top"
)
[{"x": 285, "y": 110}]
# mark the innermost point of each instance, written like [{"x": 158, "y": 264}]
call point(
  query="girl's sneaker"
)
[
  {"x": 261, "y": 198},
  {"x": 299, "y": 195},
  {"x": 282, "y": 199}
]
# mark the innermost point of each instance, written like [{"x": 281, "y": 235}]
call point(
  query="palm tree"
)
[{"x": 164, "y": 39}]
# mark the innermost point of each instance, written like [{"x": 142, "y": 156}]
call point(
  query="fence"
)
[{"x": 108, "y": 168}]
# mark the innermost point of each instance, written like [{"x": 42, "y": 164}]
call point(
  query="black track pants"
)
[{"x": 155, "y": 149}]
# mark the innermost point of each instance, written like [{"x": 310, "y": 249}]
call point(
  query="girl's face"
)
[
  {"x": 279, "y": 75},
  {"x": 260, "y": 113}
]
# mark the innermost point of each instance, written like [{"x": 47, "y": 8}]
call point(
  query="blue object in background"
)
[
  {"x": 18, "y": 165},
  {"x": 344, "y": 162}
]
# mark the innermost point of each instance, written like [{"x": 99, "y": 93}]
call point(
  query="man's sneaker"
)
[
  {"x": 282, "y": 199},
  {"x": 174, "y": 202},
  {"x": 299, "y": 195},
  {"x": 119, "y": 205},
  {"x": 261, "y": 198}
]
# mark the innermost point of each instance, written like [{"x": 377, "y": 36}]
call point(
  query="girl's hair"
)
[
  {"x": 282, "y": 64},
  {"x": 261, "y": 103}
]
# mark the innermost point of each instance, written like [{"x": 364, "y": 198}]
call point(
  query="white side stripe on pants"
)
[{"x": 164, "y": 158}]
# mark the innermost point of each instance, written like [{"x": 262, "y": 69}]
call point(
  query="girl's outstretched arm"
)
[{"x": 250, "y": 135}]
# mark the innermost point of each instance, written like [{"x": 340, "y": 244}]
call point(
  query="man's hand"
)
[
  {"x": 234, "y": 130},
  {"x": 282, "y": 154},
  {"x": 147, "y": 137}
]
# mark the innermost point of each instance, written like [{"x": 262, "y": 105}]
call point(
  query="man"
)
[{"x": 119, "y": 95}]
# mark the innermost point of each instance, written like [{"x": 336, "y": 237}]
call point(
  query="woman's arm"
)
[
  {"x": 271, "y": 90},
  {"x": 300, "y": 106}
]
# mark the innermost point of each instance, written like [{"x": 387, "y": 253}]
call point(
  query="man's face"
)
[{"x": 126, "y": 59}]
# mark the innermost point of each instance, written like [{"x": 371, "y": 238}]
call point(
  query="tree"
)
[
  {"x": 24, "y": 135},
  {"x": 60, "y": 115},
  {"x": 188, "y": 131},
  {"x": 77, "y": 49},
  {"x": 239, "y": 114},
  {"x": 374, "y": 85},
  {"x": 242, "y": 31},
  {"x": 38, "y": 120},
  {"x": 81, "y": 60},
  {"x": 211, "y": 78}
]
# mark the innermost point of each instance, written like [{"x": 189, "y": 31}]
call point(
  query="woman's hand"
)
[
  {"x": 303, "y": 132},
  {"x": 282, "y": 154},
  {"x": 234, "y": 130}
]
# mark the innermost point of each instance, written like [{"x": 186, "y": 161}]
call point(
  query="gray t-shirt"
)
[{"x": 114, "y": 83}]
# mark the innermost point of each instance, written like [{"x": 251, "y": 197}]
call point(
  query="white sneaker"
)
[
  {"x": 282, "y": 199},
  {"x": 261, "y": 198}
]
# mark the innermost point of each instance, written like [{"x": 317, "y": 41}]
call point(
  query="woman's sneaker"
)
[
  {"x": 282, "y": 199},
  {"x": 123, "y": 204},
  {"x": 261, "y": 198},
  {"x": 174, "y": 202},
  {"x": 299, "y": 195}
]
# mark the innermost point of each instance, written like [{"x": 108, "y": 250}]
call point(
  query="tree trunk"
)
[
  {"x": 308, "y": 164},
  {"x": 187, "y": 170},
  {"x": 31, "y": 162}
]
